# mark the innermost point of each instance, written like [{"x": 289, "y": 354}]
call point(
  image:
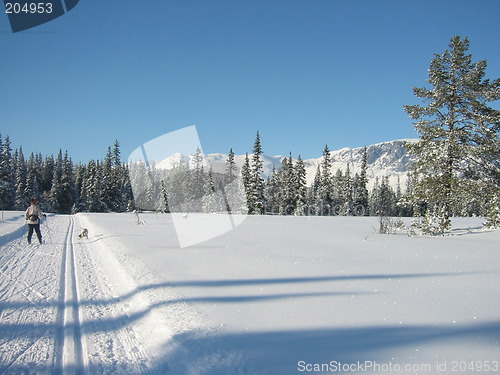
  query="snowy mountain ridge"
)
[{"x": 383, "y": 159}]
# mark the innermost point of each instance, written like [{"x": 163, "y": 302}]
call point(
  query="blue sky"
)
[{"x": 303, "y": 73}]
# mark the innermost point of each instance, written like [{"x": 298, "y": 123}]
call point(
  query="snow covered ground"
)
[{"x": 275, "y": 296}]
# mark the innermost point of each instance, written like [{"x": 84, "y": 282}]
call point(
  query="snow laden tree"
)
[
  {"x": 288, "y": 187},
  {"x": 33, "y": 186},
  {"x": 360, "y": 190},
  {"x": 324, "y": 199},
  {"x": 22, "y": 198},
  {"x": 246, "y": 175},
  {"x": 62, "y": 195},
  {"x": 233, "y": 189},
  {"x": 456, "y": 157},
  {"x": 256, "y": 183},
  {"x": 300, "y": 187},
  {"x": 7, "y": 175}
]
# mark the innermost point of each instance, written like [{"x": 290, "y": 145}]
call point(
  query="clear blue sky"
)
[{"x": 303, "y": 72}]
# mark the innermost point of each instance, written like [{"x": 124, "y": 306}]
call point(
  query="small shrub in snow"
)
[
  {"x": 432, "y": 224},
  {"x": 386, "y": 225},
  {"x": 493, "y": 216}
]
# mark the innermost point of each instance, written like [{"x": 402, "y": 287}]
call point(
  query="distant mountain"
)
[{"x": 383, "y": 159}]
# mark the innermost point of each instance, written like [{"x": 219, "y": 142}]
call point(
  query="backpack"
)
[{"x": 33, "y": 217}]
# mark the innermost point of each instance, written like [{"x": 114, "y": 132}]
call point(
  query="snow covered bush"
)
[
  {"x": 493, "y": 216},
  {"x": 435, "y": 222}
]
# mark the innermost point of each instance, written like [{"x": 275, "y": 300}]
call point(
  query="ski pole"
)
[
  {"x": 22, "y": 234},
  {"x": 46, "y": 223}
]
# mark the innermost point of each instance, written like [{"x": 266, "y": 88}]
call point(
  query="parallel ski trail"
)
[{"x": 70, "y": 349}]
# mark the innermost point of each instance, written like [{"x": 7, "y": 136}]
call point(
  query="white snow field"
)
[{"x": 274, "y": 296}]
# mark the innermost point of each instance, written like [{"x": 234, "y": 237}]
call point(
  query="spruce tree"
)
[
  {"x": 300, "y": 187},
  {"x": 360, "y": 183},
  {"x": 247, "y": 182},
  {"x": 22, "y": 194},
  {"x": 288, "y": 187},
  {"x": 324, "y": 195},
  {"x": 314, "y": 197},
  {"x": 233, "y": 189},
  {"x": 231, "y": 168},
  {"x": 256, "y": 181},
  {"x": 458, "y": 130},
  {"x": 7, "y": 175},
  {"x": 208, "y": 199}
]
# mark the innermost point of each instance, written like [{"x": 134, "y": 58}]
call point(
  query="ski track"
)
[
  {"x": 74, "y": 306},
  {"x": 28, "y": 304},
  {"x": 42, "y": 319}
]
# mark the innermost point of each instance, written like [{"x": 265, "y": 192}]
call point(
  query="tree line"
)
[
  {"x": 61, "y": 186},
  {"x": 455, "y": 172}
]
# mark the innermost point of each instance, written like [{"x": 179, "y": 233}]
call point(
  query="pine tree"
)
[
  {"x": 383, "y": 198},
  {"x": 7, "y": 175},
  {"x": 272, "y": 192},
  {"x": 47, "y": 173},
  {"x": 324, "y": 199},
  {"x": 300, "y": 187},
  {"x": 163, "y": 207},
  {"x": 92, "y": 188},
  {"x": 208, "y": 200},
  {"x": 346, "y": 192},
  {"x": 34, "y": 188},
  {"x": 360, "y": 187},
  {"x": 233, "y": 190},
  {"x": 256, "y": 181},
  {"x": 288, "y": 187},
  {"x": 314, "y": 198},
  {"x": 231, "y": 168},
  {"x": 458, "y": 131},
  {"x": 22, "y": 194},
  {"x": 79, "y": 205},
  {"x": 247, "y": 182},
  {"x": 196, "y": 182}
]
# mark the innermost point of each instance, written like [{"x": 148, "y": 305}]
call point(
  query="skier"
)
[{"x": 33, "y": 216}]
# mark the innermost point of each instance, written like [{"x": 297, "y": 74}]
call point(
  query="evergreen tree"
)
[
  {"x": 47, "y": 173},
  {"x": 233, "y": 190},
  {"x": 7, "y": 175},
  {"x": 247, "y": 182},
  {"x": 300, "y": 187},
  {"x": 337, "y": 194},
  {"x": 208, "y": 200},
  {"x": 231, "y": 168},
  {"x": 256, "y": 181},
  {"x": 360, "y": 186},
  {"x": 346, "y": 193},
  {"x": 22, "y": 194},
  {"x": 163, "y": 207},
  {"x": 195, "y": 182},
  {"x": 80, "y": 204},
  {"x": 324, "y": 194},
  {"x": 288, "y": 187},
  {"x": 458, "y": 131},
  {"x": 34, "y": 188},
  {"x": 314, "y": 198},
  {"x": 383, "y": 198},
  {"x": 272, "y": 192},
  {"x": 92, "y": 188}
]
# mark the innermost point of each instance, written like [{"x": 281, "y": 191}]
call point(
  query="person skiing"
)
[{"x": 33, "y": 216}]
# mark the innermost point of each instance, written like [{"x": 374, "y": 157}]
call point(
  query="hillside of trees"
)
[
  {"x": 456, "y": 171},
  {"x": 61, "y": 186}
]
